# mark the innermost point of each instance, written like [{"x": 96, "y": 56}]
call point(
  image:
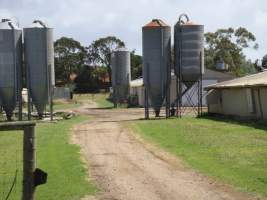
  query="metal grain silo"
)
[
  {"x": 121, "y": 73},
  {"x": 156, "y": 62},
  {"x": 189, "y": 51},
  {"x": 10, "y": 65},
  {"x": 39, "y": 58}
]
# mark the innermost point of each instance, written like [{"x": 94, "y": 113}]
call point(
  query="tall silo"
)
[
  {"x": 156, "y": 64},
  {"x": 189, "y": 58},
  {"x": 10, "y": 66},
  {"x": 189, "y": 50},
  {"x": 121, "y": 74},
  {"x": 39, "y": 58}
]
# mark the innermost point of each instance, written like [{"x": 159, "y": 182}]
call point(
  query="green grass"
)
[
  {"x": 234, "y": 153},
  {"x": 67, "y": 176},
  {"x": 10, "y": 159},
  {"x": 101, "y": 99},
  {"x": 64, "y": 105}
]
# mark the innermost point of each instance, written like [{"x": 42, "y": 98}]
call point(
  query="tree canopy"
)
[
  {"x": 227, "y": 45},
  {"x": 70, "y": 58},
  {"x": 136, "y": 65},
  {"x": 99, "y": 52}
]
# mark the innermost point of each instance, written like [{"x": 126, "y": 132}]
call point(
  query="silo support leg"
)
[{"x": 146, "y": 105}]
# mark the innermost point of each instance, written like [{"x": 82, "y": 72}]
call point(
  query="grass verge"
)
[
  {"x": 55, "y": 155},
  {"x": 232, "y": 152},
  {"x": 65, "y": 105}
]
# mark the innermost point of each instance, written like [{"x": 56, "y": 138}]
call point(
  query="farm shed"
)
[
  {"x": 245, "y": 97},
  {"x": 210, "y": 77}
]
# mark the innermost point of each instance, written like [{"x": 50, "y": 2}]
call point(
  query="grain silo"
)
[
  {"x": 188, "y": 58},
  {"x": 156, "y": 65},
  {"x": 39, "y": 58},
  {"x": 10, "y": 67},
  {"x": 121, "y": 74}
]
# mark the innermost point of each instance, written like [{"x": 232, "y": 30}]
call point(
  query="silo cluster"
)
[
  {"x": 36, "y": 58},
  {"x": 188, "y": 62},
  {"x": 121, "y": 74}
]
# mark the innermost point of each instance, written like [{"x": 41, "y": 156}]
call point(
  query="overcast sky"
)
[{"x": 87, "y": 20}]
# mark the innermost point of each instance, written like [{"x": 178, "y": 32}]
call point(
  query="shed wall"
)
[
  {"x": 237, "y": 102},
  {"x": 263, "y": 95}
]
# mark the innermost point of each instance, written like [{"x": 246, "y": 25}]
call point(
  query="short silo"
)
[
  {"x": 156, "y": 62},
  {"x": 121, "y": 74},
  {"x": 189, "y": 51},
  {"x": 39, "y": 58},
  {"x": 10, "y": 65}
]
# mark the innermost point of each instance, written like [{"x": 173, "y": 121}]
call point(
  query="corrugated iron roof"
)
[
  {"x": 140, "y": 82},
  {"x": 121, "y": 49},
  {"x": 211, "y": 74},
  {"x": 189, "y": 23},
  {"x": 156, "y": 23},
  {"x": 254, "y": 80}
]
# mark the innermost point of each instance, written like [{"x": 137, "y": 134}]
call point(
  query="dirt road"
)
[{"x": 126, "y": 169}]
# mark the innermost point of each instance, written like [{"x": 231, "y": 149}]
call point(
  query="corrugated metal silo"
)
[
  {"x": 39, "y": 57},
  {"x": 189, "y": 51},
  {"x": 10, "y": 65},
  {"x": 156, "y": 61},
  {"x": 121, "y": 73}
]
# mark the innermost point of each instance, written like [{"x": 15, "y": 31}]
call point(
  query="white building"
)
[
  {"x": 244, "y": 97},
  {"x": 210, "y": 77}
]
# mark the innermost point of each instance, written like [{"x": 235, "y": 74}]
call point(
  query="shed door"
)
[{"x": 250, "y": 100}]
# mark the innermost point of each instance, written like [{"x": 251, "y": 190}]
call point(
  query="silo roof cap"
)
[
  {"x": 121, "y": 49},
  {"x": 8, "y": 24},
  {"x": 181, "y": 21},
  {"x": 38, "y": 24},
  {"x": 156, "y": 23},
  {"x": 189, "y": 23}
]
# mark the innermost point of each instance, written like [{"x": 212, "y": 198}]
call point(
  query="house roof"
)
[
  {"x": 254, "y": 80},
  {"x": 216, "y": 75}
]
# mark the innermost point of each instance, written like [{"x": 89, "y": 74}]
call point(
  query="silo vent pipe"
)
[
  {"x": 180, "y": 21},
  {"x": 40, "y": 22}
]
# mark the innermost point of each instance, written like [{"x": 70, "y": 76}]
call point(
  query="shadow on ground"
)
[{"x": 257, "y": 124}]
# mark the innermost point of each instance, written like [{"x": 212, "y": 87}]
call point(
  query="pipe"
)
[
  {"x": 40, "y": 22},
  {"x": 180, "y": 21}
]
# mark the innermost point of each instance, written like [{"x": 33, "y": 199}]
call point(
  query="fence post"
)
[{"x": 29, "y": 163}]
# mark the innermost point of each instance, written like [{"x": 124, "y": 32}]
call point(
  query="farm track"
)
[{"x": 126, "y": 168}]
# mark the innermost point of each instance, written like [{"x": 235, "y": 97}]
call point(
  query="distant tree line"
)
[
  {"x": 88, "y": 68},
  {"x": 227, "y": 45},
  {"x": 264, "y": 61}
]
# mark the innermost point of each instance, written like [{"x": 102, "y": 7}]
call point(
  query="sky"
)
[{"x": 88, "y": 20}]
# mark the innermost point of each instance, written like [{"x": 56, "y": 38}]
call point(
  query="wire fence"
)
[{"x": 11, "y": 165}]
